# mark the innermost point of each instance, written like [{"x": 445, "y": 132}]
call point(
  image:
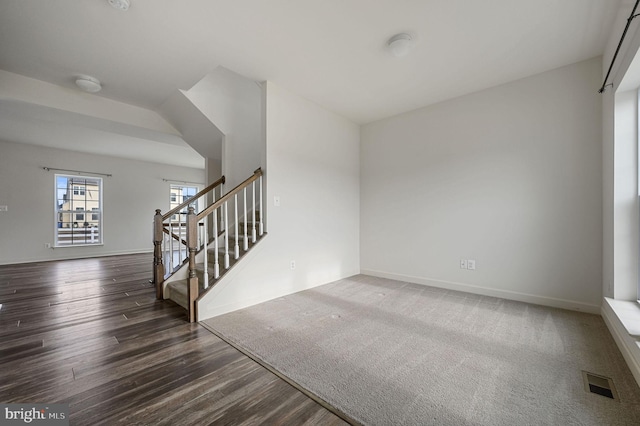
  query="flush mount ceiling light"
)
[
  {"x": 119, "y": 4},
  {"x": 88, "y": 84},
  {"x": 400, "y": 44}
]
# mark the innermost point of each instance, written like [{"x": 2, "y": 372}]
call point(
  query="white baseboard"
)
[
  {"x": 627, "y": 345},
  {"x": 485, "y": 291}
]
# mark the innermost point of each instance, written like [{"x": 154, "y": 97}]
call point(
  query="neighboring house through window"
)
[
  {"x": 78, "y": 210},
  {"x": 180, "y": 194}
]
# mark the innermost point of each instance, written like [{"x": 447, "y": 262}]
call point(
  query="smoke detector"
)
[
  {"x": 120, "y": 4},
  {"x": 88, "y": 84},
  {"x": 400, "y": 44}
]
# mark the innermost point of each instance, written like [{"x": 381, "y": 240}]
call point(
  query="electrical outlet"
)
[
  {"x": 293, "y": 265},
  {"x": 47, "y": 245},
  {"x": 471, "y": 264},
  {"x": 4, "y": 208},
  {"x": 276, "y": 201},
  {"x": 463, "y": 263}
]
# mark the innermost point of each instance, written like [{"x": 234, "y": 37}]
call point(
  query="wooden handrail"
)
[
  {"x": 206, "y": 212},
  {"x": 175, "y": 237},
  {"x": 195, "y": 197}
]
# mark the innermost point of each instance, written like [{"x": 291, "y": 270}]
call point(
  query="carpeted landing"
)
[{"x": 386, "y": 352}]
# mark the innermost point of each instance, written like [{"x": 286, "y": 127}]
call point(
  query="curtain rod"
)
[
  {"x": 182, "y": 181},
  {"x": 76, "y": 171},
  {"x": 615, "y": 55}
]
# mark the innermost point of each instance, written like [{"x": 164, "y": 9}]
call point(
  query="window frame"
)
[{"x": 75, "y": 190}]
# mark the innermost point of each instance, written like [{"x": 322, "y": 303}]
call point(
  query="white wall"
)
[
  {"x": 313, "y": 166},
  {"x": 234, "y": 104},
  {"x": 131, "y": 196},
  {"x": 510, "y": 177}
]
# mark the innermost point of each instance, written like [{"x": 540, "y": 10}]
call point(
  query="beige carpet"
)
[{"x": 392, "y": 353}]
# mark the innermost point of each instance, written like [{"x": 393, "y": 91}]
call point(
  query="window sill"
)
[
  {"x": 628, "y": 312},
  {"x": 78, "y": 245}
]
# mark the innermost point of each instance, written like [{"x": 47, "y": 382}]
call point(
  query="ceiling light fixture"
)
[
  {"x": 120, "y": 4},
  {"x": 400, "y": 44},
  {"x": 88, "y": 84}
]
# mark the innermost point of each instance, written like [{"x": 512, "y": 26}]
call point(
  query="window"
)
[
  {"x": 78, "y": 210},
  {"x": 180, "y": 194}
]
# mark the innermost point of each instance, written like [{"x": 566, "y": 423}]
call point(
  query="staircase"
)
[
  {"x": 200, "y": 248},
  {"x": 177, "y": 290}
]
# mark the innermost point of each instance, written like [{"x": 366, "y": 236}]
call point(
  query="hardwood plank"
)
[{"x": 90, "y": 333}]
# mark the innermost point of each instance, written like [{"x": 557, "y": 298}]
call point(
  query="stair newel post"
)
[
  {"x": 236, "y": 248},
  {"x": 158, "y": 266},
  {"x": 192, "y": 237},
  {"x": 260, "y": 213}
]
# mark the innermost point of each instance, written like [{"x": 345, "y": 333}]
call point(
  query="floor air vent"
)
[{"x": 599, "y": 385}]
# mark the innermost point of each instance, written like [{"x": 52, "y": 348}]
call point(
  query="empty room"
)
[{"x": 321, "y": 213}]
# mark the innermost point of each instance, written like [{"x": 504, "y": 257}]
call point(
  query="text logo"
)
[{"x": 34, "y": 414}]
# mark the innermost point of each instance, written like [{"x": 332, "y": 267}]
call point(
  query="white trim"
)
[
  {"x": 622, "y": 339},
  {"x": 485, "y": 291}
]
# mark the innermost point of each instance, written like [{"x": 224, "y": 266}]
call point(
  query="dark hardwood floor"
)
[{"x": 91, "y": 334}]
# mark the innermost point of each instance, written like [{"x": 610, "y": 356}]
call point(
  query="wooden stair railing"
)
[
  {"x": 160, "y": 228},
  {"x": 193, "y": 219}
]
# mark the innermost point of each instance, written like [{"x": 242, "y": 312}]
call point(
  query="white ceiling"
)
[{"x": 330, "y": 51}]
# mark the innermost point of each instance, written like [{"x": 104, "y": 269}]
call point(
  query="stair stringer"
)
[{"x": 231, "y": 293}]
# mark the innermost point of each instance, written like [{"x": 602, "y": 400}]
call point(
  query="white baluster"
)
[
  {"x": 253, "y": 212},
  {"x": 216, "y": 265},
  {"x": 226, "y": 236},
  {"x": 171, "y": 245},
  {"x": 236, "y": 248},
  {"x": 179, "y": 238},
  {"x": 206, "y": 258},
  {"x": 223, "y": 219},
  {"x": 246, "y": 219},
  {"x": 261, "y": 228}
]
